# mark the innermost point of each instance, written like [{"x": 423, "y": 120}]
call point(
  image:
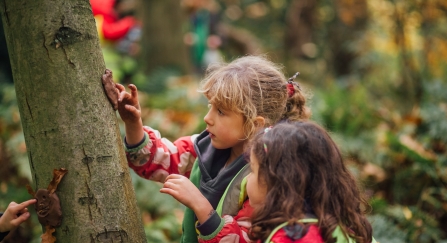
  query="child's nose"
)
[{"x": 208, "y": 119}]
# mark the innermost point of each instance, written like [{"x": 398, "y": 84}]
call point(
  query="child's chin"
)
[{"x": 218, "y": 145}]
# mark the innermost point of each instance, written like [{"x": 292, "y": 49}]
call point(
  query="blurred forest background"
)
[{"x": 376, "y": 69}]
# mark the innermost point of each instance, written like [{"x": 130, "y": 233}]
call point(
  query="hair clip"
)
[
  {"x": 290, "y": 85},
  {"x": 294, "y": 77},
  {"x": 265, "y": 131}
]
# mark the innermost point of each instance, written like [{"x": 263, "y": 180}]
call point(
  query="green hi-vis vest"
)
[
  {"x": 230, "y": 203},
  {"x": 338, "y": 233}
]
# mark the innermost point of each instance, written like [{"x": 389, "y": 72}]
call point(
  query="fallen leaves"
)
[{"x": 48, "y": 237}]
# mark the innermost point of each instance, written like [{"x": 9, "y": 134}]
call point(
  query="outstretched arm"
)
[{"x": 148, "y": 154}]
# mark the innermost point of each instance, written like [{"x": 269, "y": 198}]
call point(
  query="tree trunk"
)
[
  {"x": 348, "y": 26},
  {"x": 301, "y": 21},
  {"x": 67, "y": 120},
  {"x": 162, "y": 39}
]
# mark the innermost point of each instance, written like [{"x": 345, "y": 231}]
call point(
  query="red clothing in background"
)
[{"x": 112, "y": 27}]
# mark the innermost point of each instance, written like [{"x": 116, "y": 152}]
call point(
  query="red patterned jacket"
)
[{"x": 154, "y": 158}]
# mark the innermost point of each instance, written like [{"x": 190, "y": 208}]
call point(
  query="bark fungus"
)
[{"x": 48, "y": 206}]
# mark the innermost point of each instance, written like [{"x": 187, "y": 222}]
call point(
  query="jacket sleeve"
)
[
  {"x": 3, "y": 234},
  {"x": 231, "y": 229},
  {"x": 154, "y": 158}
]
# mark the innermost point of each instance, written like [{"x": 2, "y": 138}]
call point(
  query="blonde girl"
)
[{"x": 205, "y": 171}]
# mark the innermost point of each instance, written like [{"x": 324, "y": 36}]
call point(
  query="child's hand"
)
[
  {"x": 14, "y": 215},
  {"x": 110, "y": 87},
  {"x": 184, "y": 191},
  {"x": 128, "y": 105}
]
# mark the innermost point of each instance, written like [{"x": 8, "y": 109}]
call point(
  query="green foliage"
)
[
  {"x": 155, "y": 82},
  {"x": 385, "y": 230},
  {"x": 434, "y": 112},
  {"x": 122, "y": 65},
  {"x": 388, "y": 111},
  {"x": 405, "y": 148},
  {"x": 345, "y": 109}
]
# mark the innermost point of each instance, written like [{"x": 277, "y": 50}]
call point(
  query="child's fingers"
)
[
  {"x": 27, "y": 203},
  {"x": 132, "y": 109},
  {"x": 167, "y": 191},
  {"x": 172, "y": 186},
  {"x": 123, "y": 95},
  {"x": 15, "y": 208},
  {"x": 22, "y": 211},
  {"x": 21, "y": 208},
  {"x": 133, "y": 90},
  {"x": 12, "y": 204},
  {"x": 23, "y": 217},
  {"x": 108, "y": 72},
  {"x": 172, "y": 176},
  {"x": 168, "y": 184},
  {"x": 120, "y": 87},
  {"x": 107, "y": 76}
]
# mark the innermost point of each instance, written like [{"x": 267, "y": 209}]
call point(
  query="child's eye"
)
[{"x": 220, "y": 112}]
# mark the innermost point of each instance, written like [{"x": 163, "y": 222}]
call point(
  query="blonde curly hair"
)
[{"x": 254, "y": 86}]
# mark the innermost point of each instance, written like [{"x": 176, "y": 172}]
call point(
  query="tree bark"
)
[{"x": 67, "y": 120}]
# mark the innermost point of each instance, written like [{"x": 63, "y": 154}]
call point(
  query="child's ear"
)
[{"x": 259, "y": 122}]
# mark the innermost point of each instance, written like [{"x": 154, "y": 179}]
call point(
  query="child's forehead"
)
[{"x": 223, "y": 103}]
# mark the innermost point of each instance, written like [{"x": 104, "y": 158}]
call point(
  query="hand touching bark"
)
[
  {"x": 14, "y": 215},
  {"x": 184, "y": 191},
  {"x": 128, "y": 105},
  {"x": 110, "y": 87}
]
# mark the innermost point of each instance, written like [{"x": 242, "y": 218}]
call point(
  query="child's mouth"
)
[{"x": 211, "y": 135}]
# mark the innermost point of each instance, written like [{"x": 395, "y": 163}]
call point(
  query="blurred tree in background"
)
[{"x": 377, "y": 71}]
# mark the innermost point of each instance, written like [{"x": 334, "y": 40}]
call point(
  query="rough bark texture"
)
[
  {"x": 67, "y": 120},
  {"x": 162, "y": 40}
]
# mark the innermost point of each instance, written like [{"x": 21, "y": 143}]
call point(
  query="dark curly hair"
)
[{"x": 304, "y": 165}]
